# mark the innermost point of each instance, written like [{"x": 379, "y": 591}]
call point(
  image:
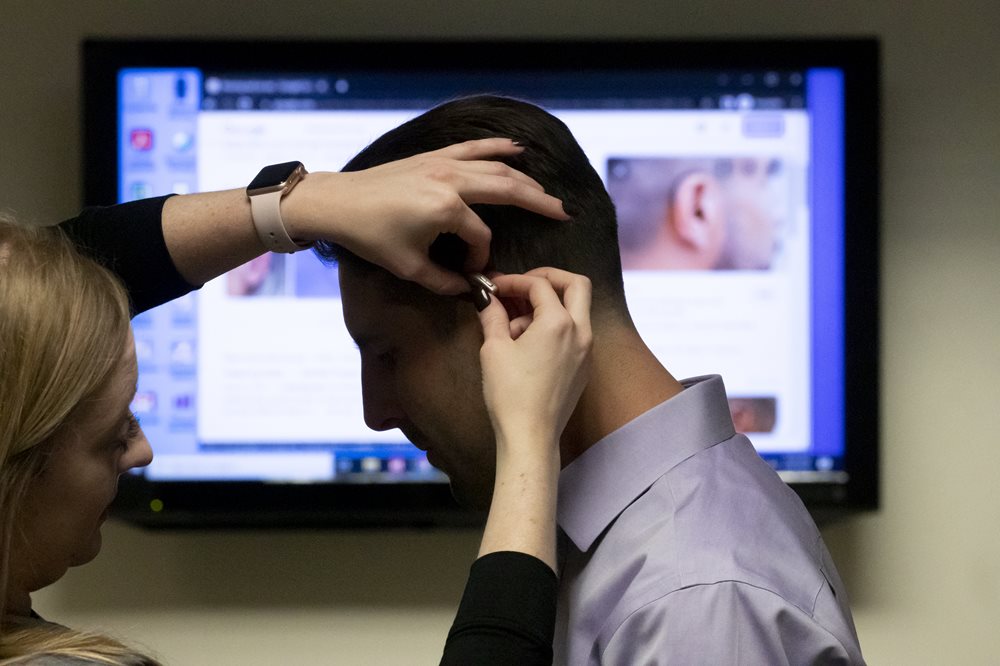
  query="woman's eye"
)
[{"x": 131, "y": 433}]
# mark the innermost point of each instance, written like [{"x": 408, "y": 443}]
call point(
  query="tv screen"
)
[{"x": 782, "y": 302}]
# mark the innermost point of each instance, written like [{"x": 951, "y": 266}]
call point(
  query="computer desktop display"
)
[{"x": 744, "y": 176}]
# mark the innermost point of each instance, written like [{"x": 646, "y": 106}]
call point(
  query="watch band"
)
[
  {"x": 266, "y": 211},
  {"x": 265, "y": 193}
]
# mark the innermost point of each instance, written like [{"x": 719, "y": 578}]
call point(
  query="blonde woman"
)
[
  {"x": 68, "y": 375},
  {"x": 68, "y": 371}
]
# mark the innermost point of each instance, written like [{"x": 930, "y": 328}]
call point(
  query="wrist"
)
[
  {"x": 522, "y": 515},
  {"x": 525, "y": 434},
  {"x": 308, "y": 211},
  {"x": 268, "y": 193},
  {"x": 535, "y": 455}
]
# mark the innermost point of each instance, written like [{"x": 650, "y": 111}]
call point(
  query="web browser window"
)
[{"x": 727, "y": 196}]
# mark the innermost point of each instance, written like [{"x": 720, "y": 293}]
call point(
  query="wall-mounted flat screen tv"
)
[{"x": 785, "y": 308}]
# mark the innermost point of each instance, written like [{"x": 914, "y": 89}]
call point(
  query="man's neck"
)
[{"x": 626, "y": 380}]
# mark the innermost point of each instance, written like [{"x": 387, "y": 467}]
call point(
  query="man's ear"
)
[{"x": 696, "y": 215}]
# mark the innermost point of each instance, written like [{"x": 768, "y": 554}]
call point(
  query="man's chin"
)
[{"x": 470, "y": 498}]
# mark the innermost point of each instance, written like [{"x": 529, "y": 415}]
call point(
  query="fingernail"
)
[
  {"x": 571, "y": 210},
  {"x": 520, "y": 142},
  {"x": 481, "y": 299},
  {"x": 482, "y": 287}
]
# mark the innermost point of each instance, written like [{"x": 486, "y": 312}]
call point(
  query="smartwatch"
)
[{"x": 265, "y": 193}]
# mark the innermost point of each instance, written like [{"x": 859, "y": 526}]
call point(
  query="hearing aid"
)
[{"x": 482, "y": 287}]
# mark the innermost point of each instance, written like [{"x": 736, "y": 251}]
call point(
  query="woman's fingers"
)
[
  {"x": 477, "y": 149},
  {"x": 570, "y": 290},
  {"x": 492, "y": 182},
  {"x": 575, "y": 290},
  {"x": 496, "y": 325},
  {"x": 392, "y": 213}
]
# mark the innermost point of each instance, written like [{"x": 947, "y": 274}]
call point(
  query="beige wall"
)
[{"x": 924, "y": 572}]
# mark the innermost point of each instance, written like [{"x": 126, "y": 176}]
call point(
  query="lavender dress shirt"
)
[{"x": 679, "y": 545}]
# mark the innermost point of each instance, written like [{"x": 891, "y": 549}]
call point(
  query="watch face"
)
[{"x": 274, "y": 177}]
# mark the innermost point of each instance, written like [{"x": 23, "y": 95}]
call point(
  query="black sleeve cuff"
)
[
  {"x": 128, "y": 240},
  {"x": 507, "y": 614}
]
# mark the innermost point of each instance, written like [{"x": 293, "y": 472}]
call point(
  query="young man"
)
[{"x": 678, "y": 544}]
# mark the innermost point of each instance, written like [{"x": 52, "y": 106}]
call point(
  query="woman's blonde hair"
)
[
  {"x": 64, "y": 321},
  {"x": 40, "y": 642}
]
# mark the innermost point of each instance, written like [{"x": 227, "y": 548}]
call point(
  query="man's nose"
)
[{"x": 382, "y": 409}]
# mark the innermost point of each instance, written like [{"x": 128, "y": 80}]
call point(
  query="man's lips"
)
[
  {"x": 416, "y": 438},
  {"x": 421, "y": 443},
  {"x": 433, "y": 460}
]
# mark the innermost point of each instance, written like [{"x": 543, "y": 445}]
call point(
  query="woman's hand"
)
[
  {"x": 534, "y": 371},
  {"x": 390, "y": 214},
  {"x": 535, "y": 367}
]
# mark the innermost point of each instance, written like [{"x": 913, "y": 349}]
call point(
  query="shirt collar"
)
[{"x": 611, "y": 474}]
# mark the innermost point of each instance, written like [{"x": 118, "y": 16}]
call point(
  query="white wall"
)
[{"x": 924, "y": 572}]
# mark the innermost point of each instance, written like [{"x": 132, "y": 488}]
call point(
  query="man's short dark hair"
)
[{"x": 588, "y": 244}]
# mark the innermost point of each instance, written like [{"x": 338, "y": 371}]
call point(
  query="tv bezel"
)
[{"x": 260, "y": 504}]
